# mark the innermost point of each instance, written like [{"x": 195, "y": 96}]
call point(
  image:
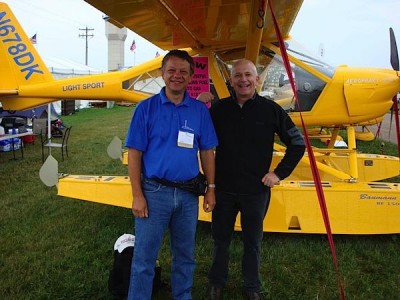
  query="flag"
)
[
  {"x": 157, "y": 54},
  {"x": 33, "y": 39},
  {"x": 133, "y": 46}
]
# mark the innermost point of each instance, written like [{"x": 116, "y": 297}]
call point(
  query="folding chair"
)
[{"x": 63, "y": 145}]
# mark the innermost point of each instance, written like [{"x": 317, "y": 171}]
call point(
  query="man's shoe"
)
[
  {"x": 215, "y": 293},
  {"x": 252, "y": 295}
]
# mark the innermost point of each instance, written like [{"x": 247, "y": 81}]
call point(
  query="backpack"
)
[{"x": 118, "y": 281}]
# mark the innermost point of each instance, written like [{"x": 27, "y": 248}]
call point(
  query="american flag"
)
[
  {"x": 33, "y": 39},
  {"x": 133, "y": 46}
]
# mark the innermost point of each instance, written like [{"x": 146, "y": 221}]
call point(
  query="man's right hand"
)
[
  {"x": 139, "y": 207},
  {"x": 205, "y": 97}
]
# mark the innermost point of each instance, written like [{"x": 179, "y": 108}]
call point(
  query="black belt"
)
[
  {"x": 196, "y": 185},
  {"x": 177, "y": 184}
]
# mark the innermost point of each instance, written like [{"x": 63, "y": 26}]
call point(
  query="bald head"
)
[
  {"x": 244, "y": 63},
  {"x": 244, "y": 80}
]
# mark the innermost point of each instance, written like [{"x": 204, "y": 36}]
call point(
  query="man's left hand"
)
[{"x": 209, "y": 200}]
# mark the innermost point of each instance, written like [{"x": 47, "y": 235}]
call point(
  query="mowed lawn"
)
[{"x": 59, "y": 248}]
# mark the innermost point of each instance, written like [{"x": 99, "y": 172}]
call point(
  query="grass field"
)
[{"x": 59, "y": 248}]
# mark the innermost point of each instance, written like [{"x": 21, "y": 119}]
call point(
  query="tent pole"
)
[{"x": 49, "y": 124}]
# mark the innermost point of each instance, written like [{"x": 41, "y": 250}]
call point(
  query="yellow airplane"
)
[{"x": 338, "y": 98}]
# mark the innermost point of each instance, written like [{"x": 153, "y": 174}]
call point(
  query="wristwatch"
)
[{"x": 211, "y": 185}]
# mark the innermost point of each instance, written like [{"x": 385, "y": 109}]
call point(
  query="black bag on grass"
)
[{"x": 118, "y": 281}]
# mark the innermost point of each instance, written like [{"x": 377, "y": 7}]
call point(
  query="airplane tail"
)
[{"x": 20, "y": 64}]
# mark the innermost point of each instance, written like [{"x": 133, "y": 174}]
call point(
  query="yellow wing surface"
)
[{"x": 199, "y": 24}]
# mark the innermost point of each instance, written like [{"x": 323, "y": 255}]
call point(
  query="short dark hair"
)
[{"x": 181, "y": 54}]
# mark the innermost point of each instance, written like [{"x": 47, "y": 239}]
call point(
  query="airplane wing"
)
[{"x": 199, "y": 24}]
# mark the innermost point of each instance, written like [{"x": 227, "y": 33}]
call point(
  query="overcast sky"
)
[{"x": 352, "y": 32}]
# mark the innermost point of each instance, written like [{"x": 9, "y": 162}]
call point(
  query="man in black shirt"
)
[{"x": 246, "y": 124}]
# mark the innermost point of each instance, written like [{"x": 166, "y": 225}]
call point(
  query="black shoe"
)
[
  {"x": 252, "y": 295},
  {"x": 215, "y": 292}
]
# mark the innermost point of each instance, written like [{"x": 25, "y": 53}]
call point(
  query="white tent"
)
[{"x": 61, "y": 68}]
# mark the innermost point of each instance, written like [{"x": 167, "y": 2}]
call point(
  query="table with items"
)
[{"x": 12, "y": 142}]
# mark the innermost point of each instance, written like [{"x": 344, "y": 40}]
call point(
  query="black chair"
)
[{"x": 63, "y": 145}]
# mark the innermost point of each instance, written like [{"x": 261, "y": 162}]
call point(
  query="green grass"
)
[{"x": 59, "y": 248}]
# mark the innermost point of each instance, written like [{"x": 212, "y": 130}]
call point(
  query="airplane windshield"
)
[
  {"x": 275, "y": 81},
  {"x": 299, "y": 52}
]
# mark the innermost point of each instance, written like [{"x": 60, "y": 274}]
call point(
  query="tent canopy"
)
[
  {"x": 39, "y": 112},
  {"x": 64, "y": 68}
]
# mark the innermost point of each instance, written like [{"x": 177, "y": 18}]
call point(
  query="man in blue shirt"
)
[{"x": 166, "y": 133}]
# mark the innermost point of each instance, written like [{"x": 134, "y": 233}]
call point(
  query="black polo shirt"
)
[{"x": 245, "y": 143}]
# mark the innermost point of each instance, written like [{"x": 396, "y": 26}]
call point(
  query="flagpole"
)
[{"x": 133, "y": 49}]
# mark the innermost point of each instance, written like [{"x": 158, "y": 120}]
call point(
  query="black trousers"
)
[{"x": 253, "y": 209}]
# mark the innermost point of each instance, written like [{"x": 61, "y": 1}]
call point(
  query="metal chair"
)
[{"x": 63, "y": 145}]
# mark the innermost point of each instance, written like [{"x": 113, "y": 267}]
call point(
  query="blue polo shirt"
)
[{"x": 154, "y": 131}]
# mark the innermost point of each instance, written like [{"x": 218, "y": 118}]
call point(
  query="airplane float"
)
[{"x": 339, "y": 98}]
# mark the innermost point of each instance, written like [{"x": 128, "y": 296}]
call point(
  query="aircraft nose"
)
[{"x": 370, "y": 92}]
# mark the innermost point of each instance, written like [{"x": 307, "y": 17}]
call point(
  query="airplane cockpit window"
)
[
  {"x": 276, "y": 85},
  {"x": 297, "y": 51},
  {"x": 309, "y": 88},
  {"x": 146, "y": 83}
]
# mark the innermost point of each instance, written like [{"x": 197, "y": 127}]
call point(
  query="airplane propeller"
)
[
  {"x": 394, "y": 61},
  {"x": 394, "y": 55}
]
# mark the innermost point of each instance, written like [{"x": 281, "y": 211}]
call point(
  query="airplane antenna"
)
[{"x": 86, "y": 35}]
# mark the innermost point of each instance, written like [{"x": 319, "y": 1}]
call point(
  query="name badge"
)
[{"x": 185, "y": 139}]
